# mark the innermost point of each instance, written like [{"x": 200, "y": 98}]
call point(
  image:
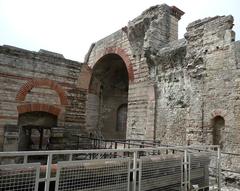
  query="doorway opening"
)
[
  {"x": 35, "y": 130},
  {"x": 108, "y": 91}
]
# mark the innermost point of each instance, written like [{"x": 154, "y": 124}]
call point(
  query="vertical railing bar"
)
[
  {"x": 185, "y": 170},
  {"x": 70, "y": 157},
  {"x": 25, "y": 159},
  {"x": 57, "y": 178},
  {"x": 129, "y": 182},
  {"x": 189, "y": 171},
  {"x": 37, "y": 178},
  {"x": 48, "y": 172},
  {"x": 181, "y": 186},
  {"x": 134, "y": 170},
  {"x": 140, "y": 175},
  {"x": 216, "y": 171},
  {"x": 115, "y": 147},
  {"x": 219, "y": 167}
]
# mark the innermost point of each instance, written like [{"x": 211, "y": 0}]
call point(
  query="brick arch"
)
[
  {"x": 218, "y": 112},
  {"x": 38, "y": 107},
  {"x": 122, "y": 53},
  {"x": 27, "y": 87}
]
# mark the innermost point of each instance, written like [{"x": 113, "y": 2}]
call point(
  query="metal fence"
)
[
  {"x": 139, "y": 169},
  {"x": 19, "y": 177},
  {"x": 98, "y": 175}
]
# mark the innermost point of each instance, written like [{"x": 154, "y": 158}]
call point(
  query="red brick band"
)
[
  {"x": 38, "y": 83},
  {"x": 219, "y": 112},
  {"x": 8, "y": 117},
  {"x": 38, "y": 107}
]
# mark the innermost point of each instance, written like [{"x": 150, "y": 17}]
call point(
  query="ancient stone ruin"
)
[{"x": 141, "y": 82}]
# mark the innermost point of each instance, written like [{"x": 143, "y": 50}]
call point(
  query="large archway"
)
[{"x": 108, "y": 90}]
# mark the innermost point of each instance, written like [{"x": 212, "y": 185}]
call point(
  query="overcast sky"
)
[{"x": 70, "y": 26}]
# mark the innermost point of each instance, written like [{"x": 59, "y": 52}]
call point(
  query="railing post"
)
[
  {"x": 189, "y": 171},
  {"x": 115, "y": 147},
  {"x": 99, "y": 143},
  {"x": 70, "y": 157},
  {"x": 219, "y": 167},
  {"x": 25, "y": 159},
  {"x": 185, "y": 162},
  {"x": 135, "y": 170},
  {"x": 48, "y": 172}
]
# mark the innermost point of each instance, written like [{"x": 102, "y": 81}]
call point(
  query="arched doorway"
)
[
  {"x": 218, "y": 124},
  {"x": 35, "y": 130},
  {"x": 108, "y": 90}
]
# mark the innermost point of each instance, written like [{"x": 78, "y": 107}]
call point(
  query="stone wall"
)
[
  {"x": 196, "y": 80},
  {"x": 210, "y": 53},
  {"x": 172, "y": 90},
  {"x": 220, "y": 83},
  {"x": 39, "y": 81},
  {"x": 178, "y": 90},
  {"x": 154, "y": 27},
  {"x": 180, "y": 87}
]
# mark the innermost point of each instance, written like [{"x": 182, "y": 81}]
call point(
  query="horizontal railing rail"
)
[{"x": 138, "y": 162}]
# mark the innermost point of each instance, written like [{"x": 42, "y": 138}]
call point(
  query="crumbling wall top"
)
[
  {"x": 43, "y": 55},
  {"x": 156, "y": 26},
  {"x": 49, "y": 53},
  {"x": 154, "y": 11},
  {"x": 217, "y": 22}
]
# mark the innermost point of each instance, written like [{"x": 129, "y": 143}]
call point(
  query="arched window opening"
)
[
  {"x": 218, "y": 124},
  {"x": 122, "y": 118}
]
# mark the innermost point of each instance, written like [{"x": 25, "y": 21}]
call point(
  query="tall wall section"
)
[
  {"x": 197, "y": 82},
  {"x": 39, "y": 81},
  {"x": 173, "y": 88},
  {"x": 156, "y": 26},
  {"x": 219, "y": 54}
]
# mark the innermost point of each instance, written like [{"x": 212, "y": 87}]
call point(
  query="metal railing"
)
[
  {"x": 134, "y": 169},
  {"x": 96, "y": 143}
]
